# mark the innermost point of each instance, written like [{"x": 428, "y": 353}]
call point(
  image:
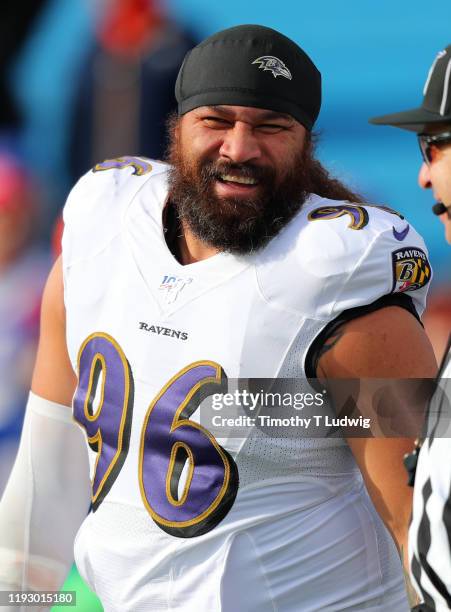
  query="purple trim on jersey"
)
[
  {"x": 359, "y": 216},
  {"x": 139, "y": 165}
]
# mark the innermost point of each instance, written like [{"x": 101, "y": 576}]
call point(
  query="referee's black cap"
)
[
  {"x": 436, "y": 107},
  {"x": 250, "y": 65}
]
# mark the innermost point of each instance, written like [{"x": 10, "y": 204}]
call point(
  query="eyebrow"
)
[{"x": 266, "y": 114}]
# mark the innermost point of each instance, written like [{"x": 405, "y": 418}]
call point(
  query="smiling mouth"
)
[{"x": 233, "y": 179}]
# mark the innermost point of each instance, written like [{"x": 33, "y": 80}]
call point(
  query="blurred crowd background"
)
[{"x": 85, "y": 80}]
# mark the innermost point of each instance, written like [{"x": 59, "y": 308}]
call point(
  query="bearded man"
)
[{"x": 241, "y": 259}]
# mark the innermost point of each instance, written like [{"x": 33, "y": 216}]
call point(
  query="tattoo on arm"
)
[{"x": 331, "y": 342}]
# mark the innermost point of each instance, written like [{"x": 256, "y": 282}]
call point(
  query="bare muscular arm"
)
[
  {"x": 53, "y": 376},
  {"x": 388, "y": 343}
]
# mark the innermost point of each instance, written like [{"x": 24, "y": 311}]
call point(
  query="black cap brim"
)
[{"x": 415, "y": 120}]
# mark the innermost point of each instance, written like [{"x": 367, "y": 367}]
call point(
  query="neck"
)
[{"x": 191, "y": 249}]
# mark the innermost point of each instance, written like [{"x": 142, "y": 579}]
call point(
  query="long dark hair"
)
[{"x": 320, "y": 181}]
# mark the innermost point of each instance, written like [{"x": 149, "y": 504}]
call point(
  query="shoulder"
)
[
  {"x": 343, "y": 234},
  {"x": 97, "y": 203},
  {"x": 111, "y": 179},
  {"x": 347, "y": 254}
]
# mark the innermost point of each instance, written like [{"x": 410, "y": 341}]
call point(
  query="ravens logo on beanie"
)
[{"x": 250, "y": 65}]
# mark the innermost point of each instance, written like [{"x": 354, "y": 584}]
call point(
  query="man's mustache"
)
[{"x": 214, "y": 170}]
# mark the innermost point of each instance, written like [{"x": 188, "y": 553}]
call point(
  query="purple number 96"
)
[
  {"x": 108, "y": 425},
  {"x": 170, "y": 442}
]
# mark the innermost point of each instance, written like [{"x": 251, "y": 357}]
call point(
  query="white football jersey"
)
[{"x": 182, "y": 521}]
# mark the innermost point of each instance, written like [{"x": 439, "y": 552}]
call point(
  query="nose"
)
[
  {"x": 240, "y": 144},
  {"x": 424, "y": 177}
]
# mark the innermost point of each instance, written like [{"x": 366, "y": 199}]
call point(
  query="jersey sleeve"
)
[
  {"x": 96, "y": 205},
  {"x": 356, "y": 267},
  {"x": 387, "y": 267},
  {"x": 384, "y": 264}
]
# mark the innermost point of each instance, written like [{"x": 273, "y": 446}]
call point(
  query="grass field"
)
[{"x": 86, "y": 600}]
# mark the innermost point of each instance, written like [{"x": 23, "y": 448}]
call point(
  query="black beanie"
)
[{"x": 250, "y": 65}]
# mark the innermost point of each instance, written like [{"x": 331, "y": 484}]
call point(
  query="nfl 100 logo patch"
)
[
  {"x": 411, "y": 269},
  {"x": 172, "y": 285}
]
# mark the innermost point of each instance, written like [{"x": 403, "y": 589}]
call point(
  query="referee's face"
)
[{"x": 436, "y": 175}]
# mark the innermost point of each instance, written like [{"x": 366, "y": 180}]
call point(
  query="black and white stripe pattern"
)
[
  {"x": 430, "y": 530},
  {"x": 444, "y": 103}
]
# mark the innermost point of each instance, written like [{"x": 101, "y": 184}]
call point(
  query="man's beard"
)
[{"x": 236, "y": 224}]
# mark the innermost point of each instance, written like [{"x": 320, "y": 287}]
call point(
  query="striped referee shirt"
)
[{"x": 430, "y": 529}]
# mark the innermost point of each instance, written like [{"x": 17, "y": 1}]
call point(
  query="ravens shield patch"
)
[{"x": 411, "y": 269}]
